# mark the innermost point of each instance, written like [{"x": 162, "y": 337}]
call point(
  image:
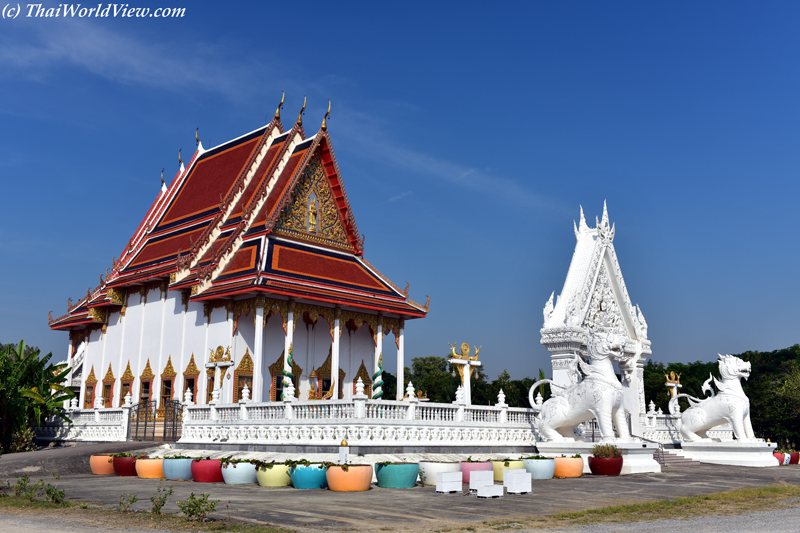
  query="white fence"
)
[
  {"x": 360, "y": 422},
  {"x": 102, "y": 425}
]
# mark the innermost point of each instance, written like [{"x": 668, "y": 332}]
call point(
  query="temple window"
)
[
  {"x": 146, "y": 384},
  {"x": 88, "y": 400},
  {"x": 166, "y": 391},
  {"x": 190, "y": 379},
  {"x": 321, "y": 382},
  {"x": 243, "y": 375},
  {"x": 209, "y": 385},
  {"x": 363, "y": 373},
  {"x": 144, "y": 391},
  {"x": 125, "y": 390},
  {"x": 126, "y": 385},
  {"x": 108, "y": 388},
  {"x": 276, "y": 371}
]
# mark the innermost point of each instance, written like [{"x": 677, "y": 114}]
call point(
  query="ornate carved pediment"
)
[
  {"x": 109, "y": 378},
  {"x": 147, "y": 374},
  {"x": 246, "y": 364},
  {"x": 604, "y": 313},
  {"x": 313, "y": 215},
  {"x": 98, "y": 314},
  {"x": 127, "y": 375},
  {"x": 117, "y": 296},
  {"x": 191, "y": 369},
  {"x": 91, "y": 379},
  {"x": 169, "y": 371}
]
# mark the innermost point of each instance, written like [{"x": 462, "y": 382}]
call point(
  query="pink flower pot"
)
[{"x": 466, "y": 468}]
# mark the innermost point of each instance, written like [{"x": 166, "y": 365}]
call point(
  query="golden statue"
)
[
  {"x": 312, "y": 394},
  {"x": 673, "y": 382},
  {"x": 312, "y": 216},
  {"x": 464, "y": 355}
]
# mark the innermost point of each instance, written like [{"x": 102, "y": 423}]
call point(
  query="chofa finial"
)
[
  {"x": 324, "y": 126},
  {"x": 196, "y": 137},
  {"x": 180, "y": 161},
  {"x": 278, "y": 111},
  {"x": 162, "y": 175},
  {"x": 302, "y": 112}
]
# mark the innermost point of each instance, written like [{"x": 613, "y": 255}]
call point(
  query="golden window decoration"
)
[
  {"x": 91, "y": 379},
  {"x": 126, "y": 384},
  {"x": 363, "y": 373},
  {"x": 243, "y": 375},
  {"x": 169, "y": 371}
]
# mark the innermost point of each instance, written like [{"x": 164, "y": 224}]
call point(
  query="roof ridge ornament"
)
[
  {"x": 180, "y": 161},
  {"x": 196, "y": 138},
  {"x": 324, "y": 126},
  {"x": 278, "y": 111},
  {"x": 605, "y": 232},
  {"x": 302, "y": 112}
]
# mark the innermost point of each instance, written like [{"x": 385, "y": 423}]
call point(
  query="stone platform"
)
[
  {"x": 735, "y": 453},
  {"x": 637, "y": 457}
]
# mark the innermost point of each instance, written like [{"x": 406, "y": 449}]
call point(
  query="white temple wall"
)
[
  {"x": 220, "y": 330},
  {"x": 151, "y": 340},
  {"x": 113, "y": 341},
  {"x": 94, "y": 357},
  {"x": 194, "y": 343},
  {"x": 320, "y": 345},
  {"x": 302, "y": 353},
  {"x": 363, "y": 347},
  {"x": 346, "y": 361},
  {"x": 132, "y": 340},
  {"x": 271, "y": 350},
  {"x": 171, "y": 335},
  {"x": 245, "y": 337}
]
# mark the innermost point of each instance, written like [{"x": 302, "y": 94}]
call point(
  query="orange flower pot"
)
[
  {"x": 150, "y": 468},
  {"x": 568, "y": 467},
  {"x": 356, "y": 478},
  {"x": 102, "y": 465}
]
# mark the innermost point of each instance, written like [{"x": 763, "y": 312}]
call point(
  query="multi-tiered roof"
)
[{"x": 237, "y": 222}]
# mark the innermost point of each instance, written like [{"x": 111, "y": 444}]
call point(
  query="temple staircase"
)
[{"x": 674, "y": 457}]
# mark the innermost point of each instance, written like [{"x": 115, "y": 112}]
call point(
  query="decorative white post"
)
[
  {"x": 244, "y": 401},
  {"x": 288, "y": 398},
  {"x": 360, "y": 400},
  {"x": 258, "y": 348},
  {"x": 501, "y": 403},
  {"x": 467, "y": 363},
  {"x": 460, "y": 402},
  {"x": 400, "y": 360},
  {"x": 412, "y": 401},
  {"x": 335, "y": 357}
]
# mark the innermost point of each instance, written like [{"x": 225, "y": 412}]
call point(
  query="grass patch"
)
[
  {"x": 76, "y": 511},
  {"x": 727, "y": 503}
]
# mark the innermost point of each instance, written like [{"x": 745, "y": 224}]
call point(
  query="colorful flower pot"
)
[
  {"x": 780, "y": 457},
  {"x": 795, "y": 458},
  {"x": 541, "y": 468},
  {"x": 429, "y": 469},
  {"x": 101, "y": 465},
  {"x": 499, "y": 466},
  {"x": 568, "y": 467},
  {"x": 124, "y": 466},
  {"x": 308, "y": 476},
  {"x": 239, "y": 473},
  {"x": 605, "y": 466},
  {"x": 398, "y": 476},
  {"x": 349, "y": 478},
  {"x": 207, "y": 471},
  {"x": 276, "y": 476},
  {"x": 467, "y": 468},
  {"x": 149, "y": 468},
  {"x": 177, "y": 469}
]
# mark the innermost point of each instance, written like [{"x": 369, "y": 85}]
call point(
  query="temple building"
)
[{"x": 249, "y": 255}]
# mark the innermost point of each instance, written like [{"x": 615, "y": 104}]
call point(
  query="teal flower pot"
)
[
  {"x": 397, "y": 476},
  {"x": 308, "y": 477},
  {"x": 177, "y": 469},
  {"x": 239, "y": 473},
  {"x": 541, "y": 468}
]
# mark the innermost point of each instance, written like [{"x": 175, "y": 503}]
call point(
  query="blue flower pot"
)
[
  {"x": 308, "y": 477},
  {"x": 401, "y": 476},
  {"x": 541, "y": 468},
  {"x": 239, "y": 473},
  {"x": 177, "y": 469}
]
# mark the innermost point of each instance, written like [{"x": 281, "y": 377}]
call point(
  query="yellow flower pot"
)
[
  {"x": 499, "y": 466},
  {"x": 277, "y": 476}
]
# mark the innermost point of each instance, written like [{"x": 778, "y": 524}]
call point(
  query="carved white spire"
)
[
  {"x": 548, "y": 307},
  {"x": 583, "y": 225}
]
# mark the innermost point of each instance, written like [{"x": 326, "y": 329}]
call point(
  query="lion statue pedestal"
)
[{"x": 637, "y": 457}]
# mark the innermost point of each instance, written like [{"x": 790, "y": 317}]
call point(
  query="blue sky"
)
[{"x": 468, "y": 134}]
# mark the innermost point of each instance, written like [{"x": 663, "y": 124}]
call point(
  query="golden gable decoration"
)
[
  {"x": 109, "y": 375},
  {"x": 313, "y": 215},
  {"x": 246, "y": 364},
  {"x": 365, "y": 379},
  {"x": 127, "y": 375},
  {"x": 97, "y": 314},
  {"x": 169, "y": 371},
  {"x": 90, "y": 379},
  {"x": 191, "y": 369},
  {"x": 147, "y": 374},
  {"x": 117, "y": 296}
]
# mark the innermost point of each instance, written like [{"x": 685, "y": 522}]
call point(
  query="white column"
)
[
  {"x": 71, "y": 370},
  {"x": 335, "y": 357},
  {"x": 376, "y": 357},
  {"x": 287, "y": 344},
  {"x": 401, "y": 361},
  {"x": 258, "y": 379}
]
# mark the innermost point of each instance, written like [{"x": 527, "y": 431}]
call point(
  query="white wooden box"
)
[
  {"x": 448, "y": 482},
  {"x": 515, "y": 475},
  {"x": 489, "y": 491},
  {"x": 480, "y": 478}
]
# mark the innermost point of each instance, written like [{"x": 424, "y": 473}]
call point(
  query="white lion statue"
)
[
  {"x": 598, "y": 395},
  {"x": 729, "y": 404}
]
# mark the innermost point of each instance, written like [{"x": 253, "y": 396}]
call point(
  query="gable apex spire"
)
[
  {"x": 278, "y": 111},
  {"x": 324, "y": 126},
  {"x": 302, "y": 112}
]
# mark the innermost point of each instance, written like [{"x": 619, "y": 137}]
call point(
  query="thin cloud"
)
[{"x": 400, "y": 196}]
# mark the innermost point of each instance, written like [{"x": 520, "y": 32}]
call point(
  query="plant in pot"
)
[
  {"x": 606, "y": 460},
  {"x": 101, "y": 464},
  {"x": 207, "y": 470},
  {"x": 505, "y": 464},
  {"x": 149, "y": 467},
  {"x": 307, "y": 475},
  {"x": 569, "y": 466},
  {"x": 177, "y": 468},
  {"x": 238, "y": 471},
  {"x": 471, "y": 465},
  {"x": 347, "y": 477},
  {"x": 397, "y": 475},
  {"x": 124, "y": 464},
  {"x": 429, "y": 469},
  {"x": 272, "y": 474},
  {"x": 540, "y": 467}
]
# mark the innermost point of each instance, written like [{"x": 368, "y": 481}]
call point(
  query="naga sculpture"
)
[
  {"x": 597, "y": 395},
  {"x": 730, "y": 404}
]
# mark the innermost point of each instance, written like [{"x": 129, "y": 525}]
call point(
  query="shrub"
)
[
  {"x": 197, "y": 507},
  {"x": 126, "y": 500},
  {"x": 606, "y": 451},
  {"x": 23, "y": 440},
  {"x": 52, "y": 493},
  {"x": 159, "y": 498}
]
